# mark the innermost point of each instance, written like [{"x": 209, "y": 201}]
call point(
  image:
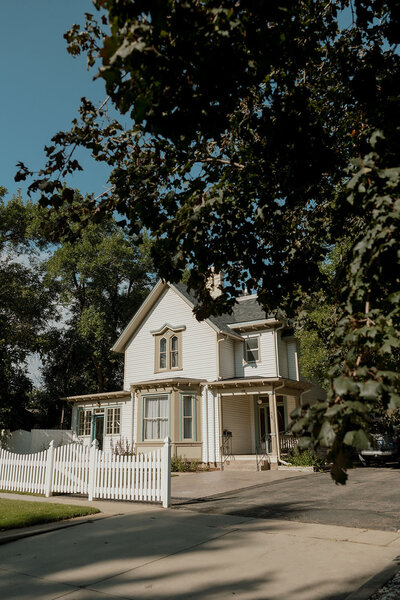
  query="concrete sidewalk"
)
[{"x": 163, "y": 554}]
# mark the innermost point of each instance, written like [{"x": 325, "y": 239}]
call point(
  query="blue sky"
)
[{"x": 41, "y": 87}]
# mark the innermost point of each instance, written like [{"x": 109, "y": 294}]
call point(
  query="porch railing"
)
[
  {"x": 226, "y": 450},
  {"x": 287, "y": 442},
  {"x": 263, "y": 449}
]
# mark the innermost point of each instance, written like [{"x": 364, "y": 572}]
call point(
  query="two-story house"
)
[{"x": 229, "y": 380}]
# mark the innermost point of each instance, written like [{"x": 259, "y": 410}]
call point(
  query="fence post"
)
[
  {"x": 92, "y": 469},
  {"x": 166, "y": 473},
  {"x": 49, "y": 470}
]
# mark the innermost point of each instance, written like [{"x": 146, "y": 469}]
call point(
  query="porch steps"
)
[{"x": 243, "y": 462}]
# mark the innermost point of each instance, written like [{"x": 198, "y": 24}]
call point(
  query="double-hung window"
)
[
  {"x": 113, "y": 421},
  {"x": 155, "y": 417},
  {"x": 84, "y": 422},
  {"x": 188, "y": 417},
  {"x": 252, "y": 349}
]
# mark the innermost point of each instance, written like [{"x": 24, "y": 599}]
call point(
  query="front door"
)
[
  {"x": 263, "y": 425},
  {"x": 98, "y": 430}
]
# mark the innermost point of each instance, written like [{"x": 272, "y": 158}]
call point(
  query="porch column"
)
[
  {"x": 273, "y": 415},
  {"x": 218, "y": 427},
  {"x": 135, "y": 417},
  {"x": 204, "y": 423},
  {"x": 211, "y": 426}
]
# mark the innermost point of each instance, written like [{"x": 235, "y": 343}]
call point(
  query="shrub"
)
[
  {"x": 306, "y": 458},
  {"x": 122, "y": 447},
  {"x": 184, "y": 465}
]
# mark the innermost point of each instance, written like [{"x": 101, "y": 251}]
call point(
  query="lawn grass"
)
[
  {"x": 23, "y": 513},
  {"x": 21, "y": 493}
]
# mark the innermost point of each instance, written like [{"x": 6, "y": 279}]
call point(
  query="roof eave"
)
[
  {"x": 256, "y": 323},
  {"x": 98, "y": 397},
  {"x": 130, "y": 329}
]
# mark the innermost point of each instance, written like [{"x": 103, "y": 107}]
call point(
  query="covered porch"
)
[{"x": 254, "y": 420}]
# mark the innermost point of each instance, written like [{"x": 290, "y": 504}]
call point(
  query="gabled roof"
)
[{"x": 247, "y": 309}]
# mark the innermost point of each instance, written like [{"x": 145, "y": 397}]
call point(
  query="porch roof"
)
[
  {"x": 98, "y": 397},
  {"x": 168, "y": 382},
  {"x": 285, "y": 386}
]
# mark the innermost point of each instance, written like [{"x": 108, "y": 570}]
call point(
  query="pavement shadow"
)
[{"x": 157, "y": 555}]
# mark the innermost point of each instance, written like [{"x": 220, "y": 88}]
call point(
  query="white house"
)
[{"x": 224, "y": 385}]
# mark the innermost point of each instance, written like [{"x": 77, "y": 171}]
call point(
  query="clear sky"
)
[{"x": 41, "y": 86}]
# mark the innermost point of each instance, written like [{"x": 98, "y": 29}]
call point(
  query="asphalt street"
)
[{"x": 370, "y": 499}]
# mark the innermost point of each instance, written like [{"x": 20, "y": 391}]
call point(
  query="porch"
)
[{"x": 254, "y": 421}]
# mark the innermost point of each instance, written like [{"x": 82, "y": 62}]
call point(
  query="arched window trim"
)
[{"x": 172, "y": 356}]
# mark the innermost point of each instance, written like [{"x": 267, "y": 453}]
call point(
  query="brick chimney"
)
[{"x": 214, "y": 283}]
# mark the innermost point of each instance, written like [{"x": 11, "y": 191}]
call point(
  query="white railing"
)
[{"x": 75, "y": 469}]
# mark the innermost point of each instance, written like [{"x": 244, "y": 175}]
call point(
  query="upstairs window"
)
[
  {"x": 174, "y": 352},
  {"x": 168, "y": 348},
  {"x": 163, "y": 353},
  {"x": 252, "y": 349}
]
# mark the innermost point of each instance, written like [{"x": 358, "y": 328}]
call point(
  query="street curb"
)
[
  {"x": 374, "y": 584},
  {"x": 7, "y": 537}
]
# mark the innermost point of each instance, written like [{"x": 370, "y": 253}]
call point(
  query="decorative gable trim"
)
[
  {"x": 168, "y": 327},
  {"x": 138, "y": 317},
  {"x": 146, "y": 307}
]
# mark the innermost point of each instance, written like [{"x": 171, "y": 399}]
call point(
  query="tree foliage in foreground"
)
[{"x": 249, "y": 151}]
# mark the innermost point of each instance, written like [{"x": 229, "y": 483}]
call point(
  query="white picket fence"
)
[{"x": 76, "y": 469}]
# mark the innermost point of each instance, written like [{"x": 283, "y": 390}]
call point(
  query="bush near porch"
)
[{"x": 306, "y": 458}]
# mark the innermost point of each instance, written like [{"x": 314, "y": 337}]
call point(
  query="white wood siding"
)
[
  {"x": 290, "y": 406},
  {"x": 199, "y": 343},
  {"x": 236, "y": 417},
  {"x": 283, "y": 356},
  {"x": 227, "y": 358},
  {"x": 266, "y": 367}
]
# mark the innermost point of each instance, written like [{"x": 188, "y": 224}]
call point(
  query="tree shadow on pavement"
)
[{"x": 162, "y": 555}]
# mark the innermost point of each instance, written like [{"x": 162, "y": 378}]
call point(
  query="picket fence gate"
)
[{"x": 77, "y": 469}]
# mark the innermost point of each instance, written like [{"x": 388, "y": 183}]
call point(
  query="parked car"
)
[{"x": 384, "y": 446}]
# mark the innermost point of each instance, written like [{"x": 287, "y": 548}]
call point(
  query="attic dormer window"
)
[{"x": 168, "y": 348}]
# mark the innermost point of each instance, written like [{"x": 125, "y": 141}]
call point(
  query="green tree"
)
[
  {"x": 25, "y": 306},
  {"x": 101, "y": 279},
  {"x": 246, "y": 116}
]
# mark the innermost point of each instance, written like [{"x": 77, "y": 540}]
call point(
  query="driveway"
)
[{"x": 370, "y": 499}]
